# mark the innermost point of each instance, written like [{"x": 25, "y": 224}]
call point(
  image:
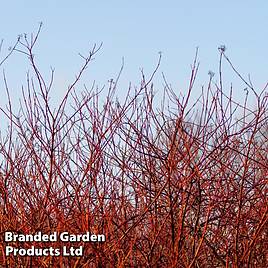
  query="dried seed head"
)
[{"x": 222, "y": 48}]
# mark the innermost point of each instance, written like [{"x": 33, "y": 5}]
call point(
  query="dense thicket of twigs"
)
[{"x": 183, "y": 184}]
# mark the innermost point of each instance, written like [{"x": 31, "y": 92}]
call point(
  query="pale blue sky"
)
[{"x": 137, "y": 31}]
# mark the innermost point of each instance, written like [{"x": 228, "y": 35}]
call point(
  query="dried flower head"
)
[
  {"x": 222, "y": 48},
  {"x": 211, "y": 74}
]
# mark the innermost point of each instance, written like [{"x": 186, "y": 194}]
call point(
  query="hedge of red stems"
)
[{"x": 182, "y": 183}]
